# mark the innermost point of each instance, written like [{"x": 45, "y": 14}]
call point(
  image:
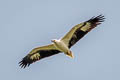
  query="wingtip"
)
[
  {"x": 97, "y": 20},
  {"x": 23, "y": 63}
]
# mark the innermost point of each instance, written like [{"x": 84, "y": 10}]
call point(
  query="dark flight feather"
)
[
  {"x": 78, "y": 34},
  {"x": 27, "y": 60}
]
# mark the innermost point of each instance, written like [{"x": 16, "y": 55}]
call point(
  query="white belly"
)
[{"x": 61, "y": 46}]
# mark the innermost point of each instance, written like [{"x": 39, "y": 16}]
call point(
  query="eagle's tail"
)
[{"x": 70, "y": 54}]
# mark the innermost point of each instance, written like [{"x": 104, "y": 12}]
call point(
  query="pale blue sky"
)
[{"x": 25, "y": 24}]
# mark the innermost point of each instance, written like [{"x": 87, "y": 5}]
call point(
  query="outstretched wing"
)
[
  {"x": 78, "y": 31},
  {"x": 37, "y": 54}
]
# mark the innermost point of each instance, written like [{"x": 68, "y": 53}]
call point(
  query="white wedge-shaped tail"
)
[{"x": 70, "y": 54}]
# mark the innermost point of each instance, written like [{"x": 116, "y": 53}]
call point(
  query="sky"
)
[{"x": 26, "y": 24}]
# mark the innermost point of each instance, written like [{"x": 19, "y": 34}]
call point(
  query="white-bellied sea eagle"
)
[{"x": 62, "y": 45}]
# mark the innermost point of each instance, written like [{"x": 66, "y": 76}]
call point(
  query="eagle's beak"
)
[{"x": 52, "y": 40}]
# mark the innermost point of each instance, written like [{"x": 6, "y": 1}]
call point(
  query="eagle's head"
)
[{"x": 53, "y": 40}]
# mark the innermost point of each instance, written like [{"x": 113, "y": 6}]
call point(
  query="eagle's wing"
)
[
  {"x": 37, "y": 54},
  {"x": 78, "y": 31}
]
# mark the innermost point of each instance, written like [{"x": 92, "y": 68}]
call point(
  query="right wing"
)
[
  {"x": 37, "y": 54},
  {"x": 78, "y": 31}
]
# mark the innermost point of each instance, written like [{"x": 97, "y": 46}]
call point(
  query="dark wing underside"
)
[
  {"x": 30, "y": 58},
  {"x": 94, "y": 21},
  {"x": 38, "y": 54},
  {"x": 80, "y": 30},
  {"x": 79, "y": 34}
]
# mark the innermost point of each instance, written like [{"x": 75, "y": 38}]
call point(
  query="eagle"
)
[{"x": 63, "y": 44}]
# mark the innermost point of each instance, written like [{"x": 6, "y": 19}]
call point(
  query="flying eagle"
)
[{"x": 62, "y": 45}]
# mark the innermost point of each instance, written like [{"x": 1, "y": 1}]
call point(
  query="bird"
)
[{"x": 63, "y": 44}]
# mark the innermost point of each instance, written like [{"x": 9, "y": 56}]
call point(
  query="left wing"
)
[
  {"x": 78, "y": 31},
  {"x": 37, "y": 54}
]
